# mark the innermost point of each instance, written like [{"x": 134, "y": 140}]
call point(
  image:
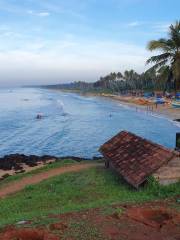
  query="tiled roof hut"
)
[{"x": 136, "y": 158}]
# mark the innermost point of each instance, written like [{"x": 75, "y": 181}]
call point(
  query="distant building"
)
[{"x": 136, "y": 158}]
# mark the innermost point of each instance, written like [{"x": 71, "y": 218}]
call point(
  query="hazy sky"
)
[{"x": 51, "y": 41}]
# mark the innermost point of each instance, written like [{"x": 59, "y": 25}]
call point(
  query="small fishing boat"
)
[
  {"x": 176, "y": 104},
  {"x": 159, "y": 101},
  {"x": 178, "y": 95}
]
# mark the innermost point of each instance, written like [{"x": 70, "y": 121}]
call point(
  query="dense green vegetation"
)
[
  {"x": 130, "y": 81},
  {"x": 163, "y": 76},
  {"x": 91, "y": 188}
]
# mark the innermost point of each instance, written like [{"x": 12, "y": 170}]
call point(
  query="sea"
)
[{"x": 71, "y": 124}]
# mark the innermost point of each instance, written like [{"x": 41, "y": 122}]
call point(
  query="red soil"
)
[
  {"x": 19, "y": 185},
  {"x": 152, "y": 217},
  {"x": 150, "y": 221},
  {"x": 27, "y": 234},
  {"x": 58, "y": 226},
  {"x": 145, "y": 223}
]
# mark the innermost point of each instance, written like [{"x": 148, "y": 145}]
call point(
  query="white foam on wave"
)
[
  {"x": 153, "y": 114},
  {"x": 161, "y": 116},
  {"x": 125, "y": 106},
  {"x": 60, "y": 104},
  {"x": 85, "y": 98},
  {"x": 177, "y": 124}
]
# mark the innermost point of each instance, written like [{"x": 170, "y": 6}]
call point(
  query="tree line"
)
[{"x": 129, "y": 81}]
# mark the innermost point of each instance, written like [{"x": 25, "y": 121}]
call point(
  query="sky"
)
[{"x": 57, "y": 41}]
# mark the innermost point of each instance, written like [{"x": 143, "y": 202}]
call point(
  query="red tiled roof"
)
[{"x": 135, "y": 158}]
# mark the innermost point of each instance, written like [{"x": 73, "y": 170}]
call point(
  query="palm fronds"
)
[
  {"x": 162, "y": 57},
  {"x": 170, "y": 49}
]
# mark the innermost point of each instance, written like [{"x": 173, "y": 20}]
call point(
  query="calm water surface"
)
[{"x": 73, "y": 124}]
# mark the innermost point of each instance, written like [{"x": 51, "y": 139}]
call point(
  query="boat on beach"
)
[
  {"x": 176, "y": 104},
  {"x": 159, "y": 101}
]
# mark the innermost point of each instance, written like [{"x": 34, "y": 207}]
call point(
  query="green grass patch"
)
[
  {"x": 95, "y": 187},
  {"x": 83, "y": 230}
]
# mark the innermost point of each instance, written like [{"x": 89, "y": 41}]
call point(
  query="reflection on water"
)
[{"x": 70, "y": 124}]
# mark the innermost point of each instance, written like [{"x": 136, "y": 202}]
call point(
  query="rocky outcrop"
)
[{"x": 15, "y": 161}]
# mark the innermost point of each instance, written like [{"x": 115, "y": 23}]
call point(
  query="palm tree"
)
[{"x": 170, "y": 53}]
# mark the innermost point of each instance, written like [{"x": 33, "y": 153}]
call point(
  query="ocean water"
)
[{"x": 72, "y": 124}]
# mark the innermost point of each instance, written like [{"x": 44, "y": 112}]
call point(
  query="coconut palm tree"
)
[{"x": 170, "y": 53}]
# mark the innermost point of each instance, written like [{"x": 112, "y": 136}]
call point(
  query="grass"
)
[
  {"x": 83, "y": 230},
  {"x": 90, "y": 188}
]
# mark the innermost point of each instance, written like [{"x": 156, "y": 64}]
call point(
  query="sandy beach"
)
[{"x": 147, "y": 105}]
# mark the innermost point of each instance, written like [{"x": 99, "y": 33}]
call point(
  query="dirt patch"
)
[
  {"x": 152, "y": 217},
  {"x": 149, "y": 221},
  {"x": 58, "y": 226},
  {"x": 27, "y": 234}
]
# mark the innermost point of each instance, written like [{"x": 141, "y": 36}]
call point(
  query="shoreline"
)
[
  {"x": 139, "y": 103},
  {"x": 162, "y": 109}
]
